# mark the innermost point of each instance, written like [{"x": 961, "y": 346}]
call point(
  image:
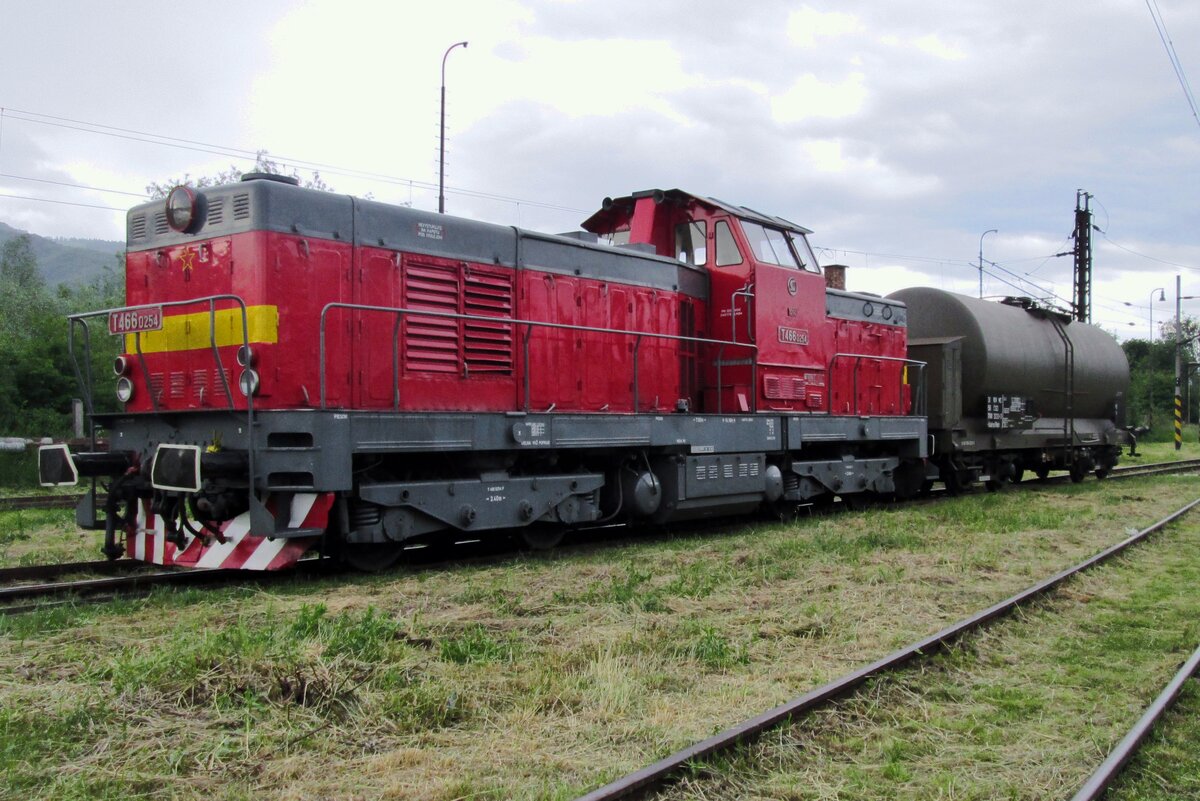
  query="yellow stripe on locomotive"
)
[{"x": 183, "y": 332}]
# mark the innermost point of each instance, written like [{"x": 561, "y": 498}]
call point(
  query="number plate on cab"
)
[{"x": 133, "y": 321}]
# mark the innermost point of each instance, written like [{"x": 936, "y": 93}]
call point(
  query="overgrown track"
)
[
  {"x": 47, "y": 573},
  {"x": 46, "y": 580},
  {"x": 1104, "y": 776},
  {"x": 39, "y": 502},
  {"x": 653, "y": 776},
  {"x": 1153, "y": 469}
]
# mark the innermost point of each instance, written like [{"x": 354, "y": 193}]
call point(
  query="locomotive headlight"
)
[
  {"x": 246, "y": 357},
  {"x": 181, "y": 209},
  {"x": 124, "y": 389},
  {"x": 120, "y": 365},
  {"x": 248, "y": 382}
]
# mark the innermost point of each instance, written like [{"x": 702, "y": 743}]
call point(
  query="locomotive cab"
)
[{"x": 793, "y": 345}]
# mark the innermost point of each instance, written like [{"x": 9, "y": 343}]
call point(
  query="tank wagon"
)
[
  {"x": 1016, "y": 387},
  {"x": 304, "y": 370}
]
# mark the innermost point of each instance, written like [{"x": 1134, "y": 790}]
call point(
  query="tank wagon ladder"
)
[
  {"x": 1068, "y": 388},
  {"x": 530, "y": 325}
]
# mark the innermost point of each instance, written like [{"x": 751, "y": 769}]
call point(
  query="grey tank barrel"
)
[{"x": 1011, "y": 350}]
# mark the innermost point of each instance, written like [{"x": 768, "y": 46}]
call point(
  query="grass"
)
[
  {"x": 44, "y": 536},
  {"x": 538, "y": 677},
  {"x": 1023, "y": 711}
]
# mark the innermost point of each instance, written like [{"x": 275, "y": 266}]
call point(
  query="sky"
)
[{"x": 898, "y": 132}]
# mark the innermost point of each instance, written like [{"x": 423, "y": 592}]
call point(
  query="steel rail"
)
[
  {"x": 115, "y": 584},
  {"x": 50, "y": 572},
  {"x": 1106, "y": 774},
  {"x": 18, "y": 502},
  {"x": 137, "y": 582},
  {"x": 660, "y": 772}
]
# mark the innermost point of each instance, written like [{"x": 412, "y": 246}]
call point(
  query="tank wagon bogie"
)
[{"x": 305, "y": 370}]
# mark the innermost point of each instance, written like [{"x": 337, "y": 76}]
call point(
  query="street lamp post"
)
[
  {"x": 981, "y": 236},
  {"x": 1162, "y": 296},
  {"x": 442, "y": 135}
]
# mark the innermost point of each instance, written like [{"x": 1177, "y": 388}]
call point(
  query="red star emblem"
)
[{"x": 185, "y": 259}]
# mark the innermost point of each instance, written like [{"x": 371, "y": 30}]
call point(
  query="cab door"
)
[{"x": 789, "y": 322}]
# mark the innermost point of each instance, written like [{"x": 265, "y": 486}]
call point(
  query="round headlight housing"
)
[
  {"x": 246, "y": 357},
  {"x": 248, "y": 382},
  {"x": 120, "y": 365},
  {"x": 181, "y": 209},
  {"x": 124, "y": 389}
]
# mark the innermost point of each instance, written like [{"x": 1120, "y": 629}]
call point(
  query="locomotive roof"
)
[{"x": 680, "y": 197}]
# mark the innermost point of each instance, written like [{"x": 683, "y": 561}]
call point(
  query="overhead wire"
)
[
  {"x": 146, "y": 137},
  {"x": 1160, "y": 25},
  {"x": 62, "y": 202}
]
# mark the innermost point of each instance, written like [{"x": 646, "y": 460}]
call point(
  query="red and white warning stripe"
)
[{"x": 147, "y": 541}]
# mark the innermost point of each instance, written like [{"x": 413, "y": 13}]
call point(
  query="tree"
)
[
  {"x": 37, "y": 385},
  {"x": 262, "y": 163},
  {"x": 1151, "y": 400},
  {"x": 18, "y": 265}
]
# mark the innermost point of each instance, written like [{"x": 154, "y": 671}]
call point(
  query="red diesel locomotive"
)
[{"x": 309, "y": 370}]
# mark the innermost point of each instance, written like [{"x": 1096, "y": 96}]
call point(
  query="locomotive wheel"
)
[
  {"x": 1018, "y": 474},
  {"x": 372, "y": 557},
  {"x": 860, "y": 501},
  {"x": 1102, "y": 472},
  {"x": 1042, "y": 471},
  {"x": 820, "y": 504},
  {"x": 542, "y": 538},
  {"x": 995, "y": 484},
  {"x": 1078, "y": 472}
]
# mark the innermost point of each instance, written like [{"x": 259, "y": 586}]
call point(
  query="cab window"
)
[
  {"x": 769, "y": 245},
  {"x": 691, "y": 247},
  {"x": 727, "y": 249}
]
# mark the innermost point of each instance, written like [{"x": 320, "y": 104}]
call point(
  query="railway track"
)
[
  {"x": 18, "y": 502},
  {"x": 1105, "y": 775},
  {"x": 105, "y": 579},
  {"x": 1152, "y": 469},
  {"x": 654, "y": 776},
  {"x": 125, "y": 576}
]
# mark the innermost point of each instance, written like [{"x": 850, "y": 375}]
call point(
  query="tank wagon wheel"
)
[
  {"x": 1103, "y": 471},
  {"x": 1079, "y": 471},
  {"x": 955, "y": 480},
  {"x": 1018, "y": 474},
  {"x": 1042, "y": 471},
  {"x": 995, "y": 484},
  {"x": 372, "y": 557}
]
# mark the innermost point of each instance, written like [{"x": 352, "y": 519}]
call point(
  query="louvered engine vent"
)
[
  {"x": 216, "y": 211},
  {"x": 241, "y": 206},
  {"x": 137, "y": 227}
]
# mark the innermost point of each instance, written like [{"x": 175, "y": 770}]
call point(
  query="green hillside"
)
[{"x": 69, "y": 261}]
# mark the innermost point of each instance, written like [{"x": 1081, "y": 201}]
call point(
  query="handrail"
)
[
  {"x": 918, "y": 405},
  {"x": 529, "y": 325},
  {"x": 81, "y": 318}
]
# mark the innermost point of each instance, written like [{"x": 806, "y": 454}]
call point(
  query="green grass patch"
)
[{"x": 540, "y": 677}]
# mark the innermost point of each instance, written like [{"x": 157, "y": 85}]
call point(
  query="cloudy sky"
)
[{"x": 899, "y": 132}]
